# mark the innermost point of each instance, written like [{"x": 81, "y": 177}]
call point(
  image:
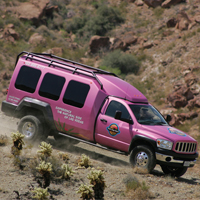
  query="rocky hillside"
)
[{"x": 161, "y": 35}]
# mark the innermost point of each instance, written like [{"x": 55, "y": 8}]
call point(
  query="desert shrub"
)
[
  {"x": 105, "y": 19},
  {"x": 17, "y": 143},
  {"x": 4, "y": 140},
  {"x": 76, "y": 23},
  {"x": 131, "y": 183},
  {"x": 135, "y": 189},
  {"x": 45, "y": 149},
  {"x": 97, "y": 180},
  {"x": 40, "y": 193},
  {"x": 158, "y": 11},
  {"x": 64, "y": 156},
  {"x": 127, "y": 63},
  {"x": 85, "y": 191},
  {"x": 67, "y": 171},
  {"x": 84, "y": 161},
  {"x": 45, "y": 170}
]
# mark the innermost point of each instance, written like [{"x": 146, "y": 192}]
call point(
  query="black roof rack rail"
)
[{"x": 79, "y": 68}]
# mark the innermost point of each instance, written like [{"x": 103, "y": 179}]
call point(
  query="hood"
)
[{"x": 165, "y": 132}]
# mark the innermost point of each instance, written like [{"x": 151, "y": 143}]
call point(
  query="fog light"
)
[{"x": 168, "y": 159}]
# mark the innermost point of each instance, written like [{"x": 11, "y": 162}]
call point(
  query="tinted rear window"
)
[
  {"x": 51, "y": 86},
  {"x": 27, "y": 79},
  {"x": 76, "y": 93}
]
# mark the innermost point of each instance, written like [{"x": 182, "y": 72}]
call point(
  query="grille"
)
[{"x": 186, "y": 147}]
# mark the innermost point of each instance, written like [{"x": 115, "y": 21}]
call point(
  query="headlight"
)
[{"x": 165, "y": 144}]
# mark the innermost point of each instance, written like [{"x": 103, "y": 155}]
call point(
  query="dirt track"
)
[{"x": 116, "y": 167}]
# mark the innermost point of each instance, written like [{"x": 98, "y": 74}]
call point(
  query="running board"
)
[{"x": 93, "y": 144}]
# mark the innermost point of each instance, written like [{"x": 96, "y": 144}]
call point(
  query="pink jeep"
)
[{"x": 65, "y": 99}]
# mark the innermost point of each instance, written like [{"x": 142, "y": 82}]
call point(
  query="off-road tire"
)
[
  {"x": 174, "y": 171},
  {"x": 32, "y": 128},
  {"x": 143, "y": 157}
]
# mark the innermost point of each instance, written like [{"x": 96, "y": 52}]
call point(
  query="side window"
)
[
  {"x": 114, "y": 106},
  {"x": 27, "y": 79},
  {"x": 51, "y": 86},
  {"x": 76, "y": 93}
]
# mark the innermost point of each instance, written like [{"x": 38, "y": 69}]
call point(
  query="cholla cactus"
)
[
  {"x": 40, "y": 193},
  {"x": 97, "y": 180},
  {"x": 45, "y": 169},
  {"x": 64, "y": 156},
  {"x": 67, "y": 171},
  {"x": 17, "y": 143},
  {"x": 85, "y": 161},
  {"x": 86, "y": 191},
  {"x": 45, "y": 149}
]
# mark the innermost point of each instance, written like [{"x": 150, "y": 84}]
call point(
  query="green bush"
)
[
  {"x": 125, "y": 62},
  {"x": 105, "y": 19}
]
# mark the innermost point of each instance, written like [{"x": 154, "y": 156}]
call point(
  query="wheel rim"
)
[
  {"x": 142, "y": 159},
  {"x": 28, "y": 129}
]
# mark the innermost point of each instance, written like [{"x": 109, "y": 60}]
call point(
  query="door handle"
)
[{"x": 103, "y": 120}]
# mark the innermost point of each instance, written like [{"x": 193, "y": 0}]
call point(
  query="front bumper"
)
[{"x": 169, "y": 160}]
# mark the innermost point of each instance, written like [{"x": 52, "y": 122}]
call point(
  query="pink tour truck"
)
[{"x": 53, "y": 96}]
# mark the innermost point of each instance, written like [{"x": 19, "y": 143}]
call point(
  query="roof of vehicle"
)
[
  {"x": 109, "y": 82},
  {"x": 117, "y": 87}
]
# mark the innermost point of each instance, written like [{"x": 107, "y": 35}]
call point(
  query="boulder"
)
[
  {"x": 129, "y": 38},
  {"x": 194, "y": 103},
  {"x": 32, "y": 11},
  {"x": 117, "y": 43},
  {"x": 9, "y": 33},
  {"x": 190, "y": 79},
  {"x": 180, "y": 97},
  {"x": 153, "y": 3},
  {"x": 99, "y": 42},
  {"x": 55, "y": 51},
  {"x": 36, "y": 39},
  {"x": 183, "y": 21},
  {"x": 185, "y": 116},
  {"x": 171, "y": 22},
  {"x": 169, "y": 3}
]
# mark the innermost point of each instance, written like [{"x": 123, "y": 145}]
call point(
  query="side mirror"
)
[
  {"x": 118, "y": 114},
  {"x": 168, "y": 118}
]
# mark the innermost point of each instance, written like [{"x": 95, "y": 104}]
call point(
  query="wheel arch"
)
[
  {"x": 142, "y": 140},
  {"x": 30, "y": 106}
]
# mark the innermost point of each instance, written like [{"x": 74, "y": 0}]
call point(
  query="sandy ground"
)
[{"x": 19, "y": 184}]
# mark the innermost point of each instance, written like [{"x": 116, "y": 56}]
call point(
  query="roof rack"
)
[{"x": 73, "y": 66}]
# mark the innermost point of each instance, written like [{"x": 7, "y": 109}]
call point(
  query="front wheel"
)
[
  {"x": 143, "y": 157},
  {"x": 32, "y": 128},
  {"x": 174, "y": 171}
]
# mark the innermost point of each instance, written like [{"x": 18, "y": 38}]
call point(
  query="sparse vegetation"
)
[
  {"x": 67, "y": 171},
  {"x": 17, "y": 143},
  {"x": 45, "y": 170},
  {"x": 84, "y": 161},
  {"x": 85, "y": 191},
  {"x": 137, "y": 190},
  {"x": 4, "y": 140},
  {"x": 45, "y": 149},
  {"x": 40, "y": 193},
  {"x": 126, "y": 63},
  {"x": 149, "y": 24},
  {"x": 97, "y": 180}
]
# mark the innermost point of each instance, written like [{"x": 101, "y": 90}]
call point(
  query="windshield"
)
[{"x": 148, "y": 115}]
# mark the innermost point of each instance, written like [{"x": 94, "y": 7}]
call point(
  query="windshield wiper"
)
[{"x": 160, "y": 123}]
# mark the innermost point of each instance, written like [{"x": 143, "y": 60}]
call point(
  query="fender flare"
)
[
  {"x": 139, "y": 140},
  {"x": 43, "y": 107}
]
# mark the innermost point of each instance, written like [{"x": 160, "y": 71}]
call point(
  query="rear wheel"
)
[
  {"x": 32, "y": 128},
  {"x": 143, "y": 157},
  {"x": 174, "y": 171}
]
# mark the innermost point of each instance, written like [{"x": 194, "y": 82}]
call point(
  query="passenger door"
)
[{"x": 112, "y": 132}]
